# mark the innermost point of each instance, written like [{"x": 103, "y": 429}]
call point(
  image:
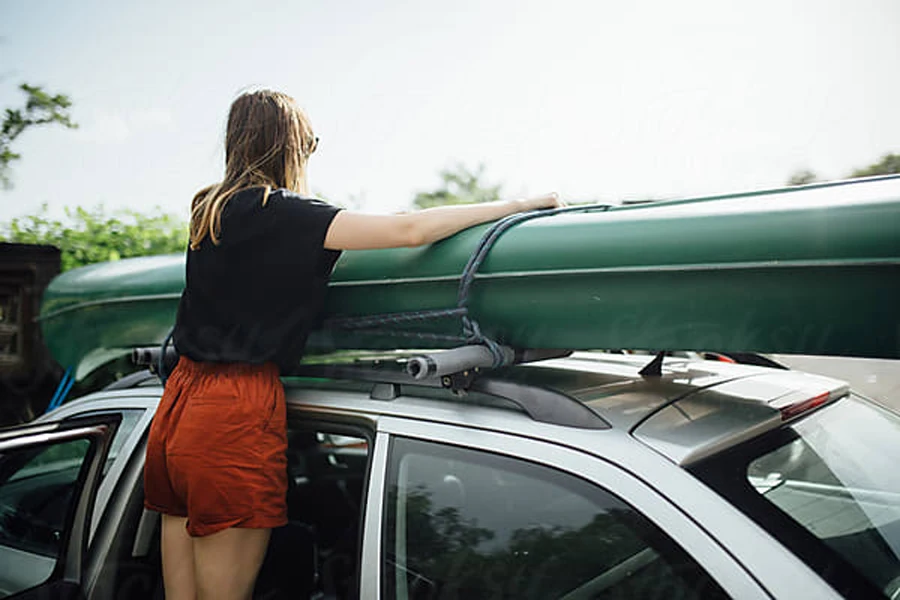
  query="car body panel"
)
[
  {"x": 476, "y": 426},
  {"x": 481, "y": 427}
]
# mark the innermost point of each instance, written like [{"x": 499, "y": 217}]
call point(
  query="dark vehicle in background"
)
[{"x": 28, "y": 374}]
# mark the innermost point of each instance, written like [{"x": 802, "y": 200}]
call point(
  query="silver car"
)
[{"x": 590, "y": 476}]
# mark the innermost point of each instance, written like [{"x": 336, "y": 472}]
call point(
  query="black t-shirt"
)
[{"x": 254, "y": 297}]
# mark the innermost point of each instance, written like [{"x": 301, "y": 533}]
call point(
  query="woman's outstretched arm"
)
[{"x": 360, "y": 231}]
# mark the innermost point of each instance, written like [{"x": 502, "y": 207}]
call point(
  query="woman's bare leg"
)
[
  {"x": 177, "y": 559},
  {"x": 226, "y": 563}
]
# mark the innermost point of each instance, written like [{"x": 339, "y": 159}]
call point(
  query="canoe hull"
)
[
  {"x": 776, "y": 309},
  {"x": 810, "y": 270}
]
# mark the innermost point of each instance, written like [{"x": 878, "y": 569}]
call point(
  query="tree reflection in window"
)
[{"x": 464, "y": 524}]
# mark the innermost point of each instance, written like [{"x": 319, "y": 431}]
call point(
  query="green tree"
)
[
  {"x": 459, "y": 185},
  {"x": 802, "y": 177},
  {"x": 41, "y": 108},
  {"x": 96, "y": 235},
  {"x": 889, "y": 163}
]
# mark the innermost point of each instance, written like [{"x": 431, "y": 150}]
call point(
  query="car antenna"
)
[{"x": 654, "y": 367}]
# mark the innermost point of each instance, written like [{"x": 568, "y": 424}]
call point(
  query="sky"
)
[{"x": 596, "y": 100}]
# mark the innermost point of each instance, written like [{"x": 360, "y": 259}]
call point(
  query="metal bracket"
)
[{"x": 462, "y": 381}]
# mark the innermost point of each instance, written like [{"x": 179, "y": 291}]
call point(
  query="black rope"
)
[
  {"x": 416, "y": 335},
  {"x": 471, "y": 330},
  {"x": 161, "y": 368},
  {"x": 355, "y": 323}
]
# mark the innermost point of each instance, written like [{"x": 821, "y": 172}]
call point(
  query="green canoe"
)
[{"x": 807, "y": 270}]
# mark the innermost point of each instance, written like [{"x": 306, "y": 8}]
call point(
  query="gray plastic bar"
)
[{"x": 456, "y": 360}]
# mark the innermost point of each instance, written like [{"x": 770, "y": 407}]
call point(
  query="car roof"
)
[
  {"x": 613, "y": 387},
  {"x": 692, "y": 408}
]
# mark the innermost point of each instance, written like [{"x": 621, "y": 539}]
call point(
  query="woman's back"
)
[{"x": 253, "y": 296}]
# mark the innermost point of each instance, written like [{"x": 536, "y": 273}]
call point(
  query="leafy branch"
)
[
  {"x": 459, "y": 185},
  {"x": 41, "y": 108}
]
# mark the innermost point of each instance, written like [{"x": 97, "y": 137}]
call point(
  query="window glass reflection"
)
[{"x": 467, "y": 524}]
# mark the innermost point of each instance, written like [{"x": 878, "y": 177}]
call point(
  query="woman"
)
[{"x": 260, "y": 256}]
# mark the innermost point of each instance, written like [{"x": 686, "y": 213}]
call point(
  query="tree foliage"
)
[
  {"x": 41, "y": 108},
  {"x": 889, "y": 164},
  {"x": 459, "y": 185},
  {"x": 97, "y": 235},
  {"x": 802, "y": 177}
]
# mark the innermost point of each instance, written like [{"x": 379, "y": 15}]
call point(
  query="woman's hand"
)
[{"x": 550, "y": 200}]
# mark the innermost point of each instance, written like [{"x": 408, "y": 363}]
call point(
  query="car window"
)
[
  {"x": 828, "y": 487},
  {"x": 466, "y": 524},
  {"x": 38, "y": 487},
  {"x": 844, "y": 489},
  {"x": 36, "y": 493},
  {"x": 317, "y": 553},
  {"x": 55, "y": 459}
]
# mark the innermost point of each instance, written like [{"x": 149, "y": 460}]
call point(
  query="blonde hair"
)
[{"x": 267, "y": 144}]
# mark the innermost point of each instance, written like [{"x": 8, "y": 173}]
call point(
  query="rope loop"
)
[{"x": 473, "y": 335}]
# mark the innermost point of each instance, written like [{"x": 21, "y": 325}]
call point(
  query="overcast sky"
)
[{"x": 594, "y": 99}]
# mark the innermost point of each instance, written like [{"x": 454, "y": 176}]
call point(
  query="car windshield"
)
[{"x": 828, "y": 487}]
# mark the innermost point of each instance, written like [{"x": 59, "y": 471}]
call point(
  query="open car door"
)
[{"x": 49, "y": 474}]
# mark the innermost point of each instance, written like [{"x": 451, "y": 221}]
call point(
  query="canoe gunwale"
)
[
  {"x": 107, "y": 302},
  {"x": 723, "y": 266}
]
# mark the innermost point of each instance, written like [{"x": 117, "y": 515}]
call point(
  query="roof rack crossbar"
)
[
  {"x": 459, "y": 370},
  {"x": 473, "y": 356}
]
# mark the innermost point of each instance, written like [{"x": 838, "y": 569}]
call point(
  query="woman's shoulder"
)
[
  {"x": 286, "y": 195},
  {"x": 279, "y": 208},
  {"x": 285, "y": 200},
  {"x": 257, "y": 198}
]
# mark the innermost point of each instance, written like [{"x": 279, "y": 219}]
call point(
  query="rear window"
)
[{"x": 828, "y": 487}]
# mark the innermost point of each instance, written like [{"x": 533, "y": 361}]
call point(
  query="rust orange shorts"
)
[{"x": 216, "y": 451}]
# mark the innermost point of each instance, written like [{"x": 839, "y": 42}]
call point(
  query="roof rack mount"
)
[
  {"x": 150, "y": 358},
  {"x": 472, "y": 357}
]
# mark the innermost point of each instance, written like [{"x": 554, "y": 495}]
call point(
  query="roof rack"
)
[
  {"x": 541, "y": 404},
  {"x": 388, "y": 375}
]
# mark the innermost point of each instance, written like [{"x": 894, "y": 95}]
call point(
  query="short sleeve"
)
[{"x": 300, "y": 217}]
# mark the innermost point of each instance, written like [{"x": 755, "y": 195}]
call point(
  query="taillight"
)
[
  {"x": 719, "y": 357},
  {"x": 790, "y": 411}
]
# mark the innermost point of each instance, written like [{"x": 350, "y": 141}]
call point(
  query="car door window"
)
[
  {"x": 467, "y": 524},
  {"x": 35, "y": 496},
  {"x": 317, "y": 553},
  {"x": 40, "y": 484}
]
